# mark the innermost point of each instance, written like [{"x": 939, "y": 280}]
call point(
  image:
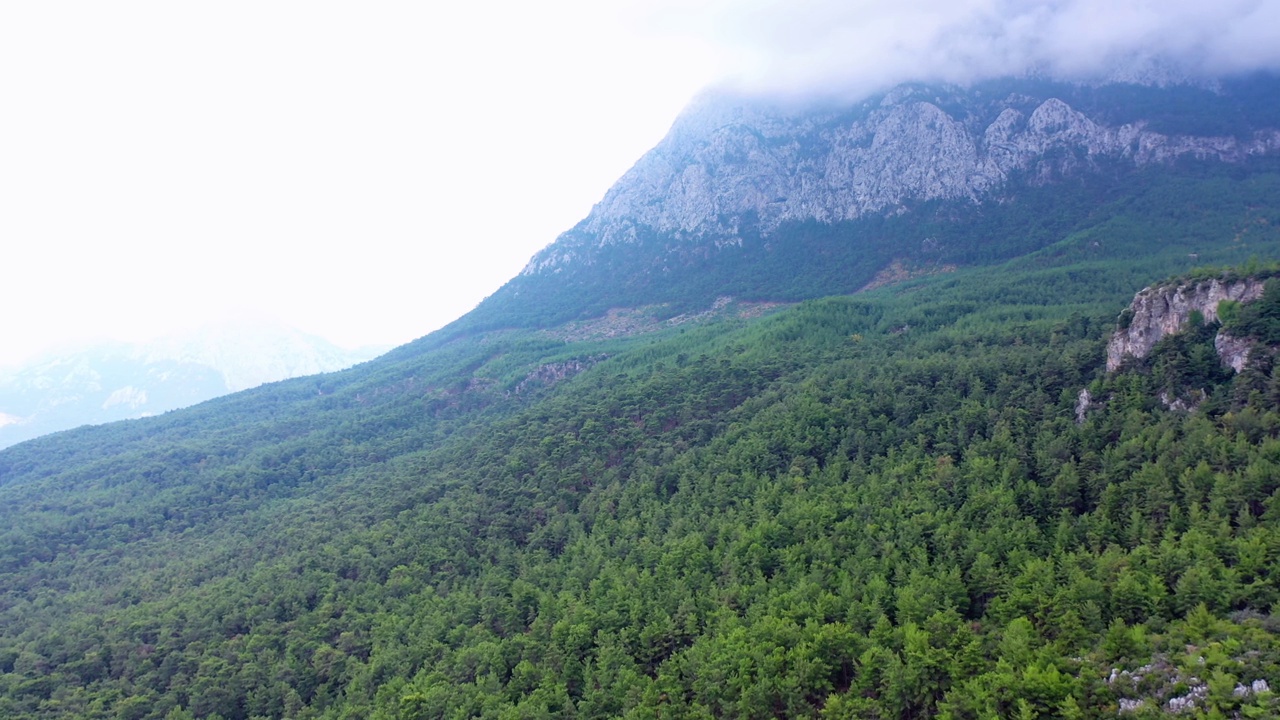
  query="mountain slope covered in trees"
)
[{"x": 885, "y": 504}]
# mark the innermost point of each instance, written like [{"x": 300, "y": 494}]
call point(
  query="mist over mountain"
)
[
  {"x": 826, "y": 49},
  {"x": 121, "y": 381}
]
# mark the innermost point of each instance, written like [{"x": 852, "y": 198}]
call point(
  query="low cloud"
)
[{"x": 843, "y": 47}]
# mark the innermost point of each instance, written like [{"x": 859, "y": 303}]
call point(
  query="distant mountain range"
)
[{"x": 118, "y": 381}]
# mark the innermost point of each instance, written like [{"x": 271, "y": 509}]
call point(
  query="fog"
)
[{"x": 843, "y": 48}]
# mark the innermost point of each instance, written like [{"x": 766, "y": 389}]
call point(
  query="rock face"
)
[
  {"x": 1162, "y": 310},
  {"x": 728, "y": 164},
  {"x": 1084, "y": 401},
  {"x": 553, "y": 373},
  {"x": 1234, "y": 351}
]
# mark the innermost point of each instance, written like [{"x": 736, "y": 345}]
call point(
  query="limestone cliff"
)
[
  {"x": 1165, "y": 309},
  {"x": 729, "y": 165},
  {"x": 1233, "y": 350}
]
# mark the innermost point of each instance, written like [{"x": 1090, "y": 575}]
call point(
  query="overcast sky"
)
[{"x": 370, "y": 171}]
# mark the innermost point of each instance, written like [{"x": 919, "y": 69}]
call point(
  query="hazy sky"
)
[
  {"x": 367, "y": 171},
  {"x": 370, "y": 171}
]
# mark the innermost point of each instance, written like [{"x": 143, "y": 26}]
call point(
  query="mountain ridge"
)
[
  {"x": 728, "y": 161},
  {"x": 711, "y": 210}
]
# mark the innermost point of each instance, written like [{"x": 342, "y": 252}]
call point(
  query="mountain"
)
[
  {"x": 727, "y": 167},
  {"x": 121, "y": 381},
  {"x": 870, "y": 463},
  {"x": 777, "y": 203}
]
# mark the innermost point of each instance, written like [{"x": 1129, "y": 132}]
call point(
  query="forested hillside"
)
[{"x": 888, "y": 504}]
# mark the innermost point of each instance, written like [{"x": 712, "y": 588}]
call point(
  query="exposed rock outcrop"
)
[
  {"x": 1233, "y": 350},
  {"x": 1162, "y": 310},
  {"x": 1185, "y": 402},
  {"x": 557, "y": 372},
  {"x": 1084, "y": 403}
]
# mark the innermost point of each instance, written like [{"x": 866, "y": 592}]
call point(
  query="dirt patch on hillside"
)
[
  {"x": 624, "y": 322},
  {"x": 897, "y": 272}
]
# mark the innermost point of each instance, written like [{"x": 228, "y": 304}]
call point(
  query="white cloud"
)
[
  {"x": 367, "y": 171},
  {"x": 836, "y": 47}
]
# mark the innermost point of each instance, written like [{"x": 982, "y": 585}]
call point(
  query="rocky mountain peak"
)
[{"x": 732, "y": 168}]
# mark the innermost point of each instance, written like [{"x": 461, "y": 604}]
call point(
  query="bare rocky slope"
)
[{"x": 731, "y": 168}]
